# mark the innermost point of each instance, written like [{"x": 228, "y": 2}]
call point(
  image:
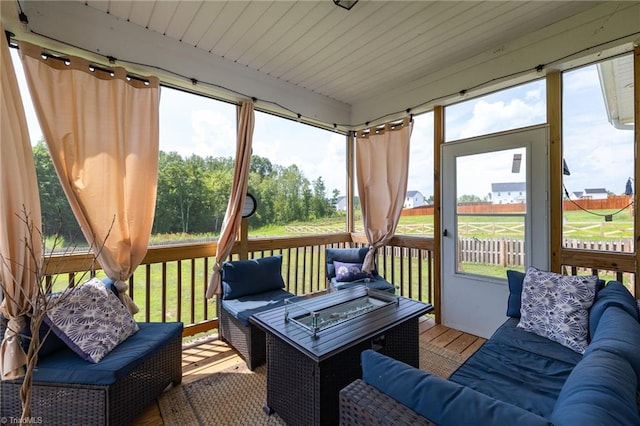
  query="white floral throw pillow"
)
[
  {"x": 90, "y": 319},
  {"x": 557, "y": 307}
]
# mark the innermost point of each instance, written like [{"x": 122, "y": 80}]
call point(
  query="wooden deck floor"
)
[{"x": 207, "y": 356}]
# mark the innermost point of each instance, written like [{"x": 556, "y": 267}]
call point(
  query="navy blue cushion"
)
[
  {"x": 67, "y": 367},
  {"x": 614, "y": 294},
  {"x": 348, "y": 255},
  {"x": 515, "y": 279},
  {"x": 245, "y": 277},
  {"x": 514, "y": 357},
  {"x": 243, "y": 307},
  {"x": 378, "y": 283},
  {"x": 111, "y": 285},
  {"x": 49, "y": 342},
  {"x": 601, "y": 390},
  {"x": 439, "y": 400},
  {"x": 618, "y": 333}
]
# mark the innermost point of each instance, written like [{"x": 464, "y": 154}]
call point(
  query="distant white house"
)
[
  {"x": 590, "y": 194},
  {"x": 576, "y": 195},
  {"x": 508, "y": 192},
  {"x": 595, "y": 194},
  {"x": 341, "y": 203},
  {"x": 414, "y": 199}
]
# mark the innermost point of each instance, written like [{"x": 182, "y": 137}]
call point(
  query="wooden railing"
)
[{"x": 171, "y": 281}]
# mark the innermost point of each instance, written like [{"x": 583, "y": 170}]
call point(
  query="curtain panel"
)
[
  {"x": 382, "y": 168},
  {"x": 102, "y": 130},
  {"x": 20, "y": 219},
  {"x": 233, "y": 215}
]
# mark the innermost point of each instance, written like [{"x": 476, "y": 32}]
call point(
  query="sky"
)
[{"x": 598, "y": 155}]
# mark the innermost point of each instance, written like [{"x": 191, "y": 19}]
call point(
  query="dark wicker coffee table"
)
[{"x": 305, "y": 373}]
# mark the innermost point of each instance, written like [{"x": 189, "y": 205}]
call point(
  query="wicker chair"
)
[
  {"x": 362, "y": 404},
  {"x": 249, "y": 341},
  {"x": 116, "y": 403},
  {"x": 352, "y": 256},
  {"x": 249, "y": 286}
]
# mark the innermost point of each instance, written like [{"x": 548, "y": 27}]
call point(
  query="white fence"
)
[{"x": 510, "y": 252}]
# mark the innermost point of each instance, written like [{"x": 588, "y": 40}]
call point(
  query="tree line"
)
[{"x": 193, "y": 193}]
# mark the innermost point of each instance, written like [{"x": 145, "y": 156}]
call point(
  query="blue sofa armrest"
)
[{"x": 437, "y": 399}]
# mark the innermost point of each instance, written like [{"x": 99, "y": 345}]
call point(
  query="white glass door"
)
[{"x": 494, "y": 218}]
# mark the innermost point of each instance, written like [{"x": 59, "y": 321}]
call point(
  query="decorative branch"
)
[{"x": 38, "y": 303}]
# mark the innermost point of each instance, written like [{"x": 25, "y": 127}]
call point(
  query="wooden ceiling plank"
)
[
  {"x": 444, "y": 48},
  {"x": 282, "y": 34},
  {"x": 102, "y": 5},
  {"x": 194, "y": 22},
  {"x": 121, "y": 9},
  {"x": 227, "y": 18},
  {"x": 337, "y": 39},
  {"x": 141, "y": 12},
  {"x": 391, "y": 46},
  {"x": 291, "y": 42},
  {"x": 162, "y": 15},
  {"x": 245, "y": 26},
  {"x": 324, "y": 66},
  {"x": 264, "y": 29}
]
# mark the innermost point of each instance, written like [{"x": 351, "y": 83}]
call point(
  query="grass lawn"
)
[{"x": 179, "y": 300}]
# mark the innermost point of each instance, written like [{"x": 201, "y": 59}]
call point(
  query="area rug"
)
[
  {"x": 438, "y": 360},
  {"x": 235, "y": 396}
]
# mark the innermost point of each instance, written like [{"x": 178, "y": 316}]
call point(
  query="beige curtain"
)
[
  {"x": 20, "y": 219},
  {"x": 233, "y": 216},
  {"x": 382, "y": 167},
  {"x": 102, "y": 131}
]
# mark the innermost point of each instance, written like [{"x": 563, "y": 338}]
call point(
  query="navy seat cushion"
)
[
  {"x": 601, "y": 390},
  {"x": 346, "y": 255},
  {"x": 49, "y": 342},
  {"x": 67, "y": 367},
  {"x": 378, "y": 283},
  {"x": 439, "y": 400},
  {"x": 243, "y": 307},
  {"x": 514, "y": 357},
  {"x": 616, "y": 294},
  {"x": 245, "y": 277}
]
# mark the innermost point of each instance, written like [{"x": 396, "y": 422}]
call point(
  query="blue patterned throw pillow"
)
[
  {"x": 90, "y": 319},
  {"x": 348, "y": 272},
  {"x": 557, "y": 306}
]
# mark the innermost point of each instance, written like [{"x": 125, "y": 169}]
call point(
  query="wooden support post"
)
[
  {"x": 244, "y": 239},
  {"x": 438, "y": 140},
  {"x": 350, "y": 183},
  {"x": 636, "y": 170},
  {"x": 554, "y": 119}
]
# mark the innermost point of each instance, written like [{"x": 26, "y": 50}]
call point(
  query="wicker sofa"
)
[
  {"x": 249, "y": 287},
  {"x": 69, "y": 390},
  {"x": 516, "y": 377}
]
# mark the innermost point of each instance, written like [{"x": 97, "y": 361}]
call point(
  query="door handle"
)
[{"x": 445, "y": 233}]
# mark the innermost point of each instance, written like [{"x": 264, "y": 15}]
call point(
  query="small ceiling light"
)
[{"x": 345, "y": 4}]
